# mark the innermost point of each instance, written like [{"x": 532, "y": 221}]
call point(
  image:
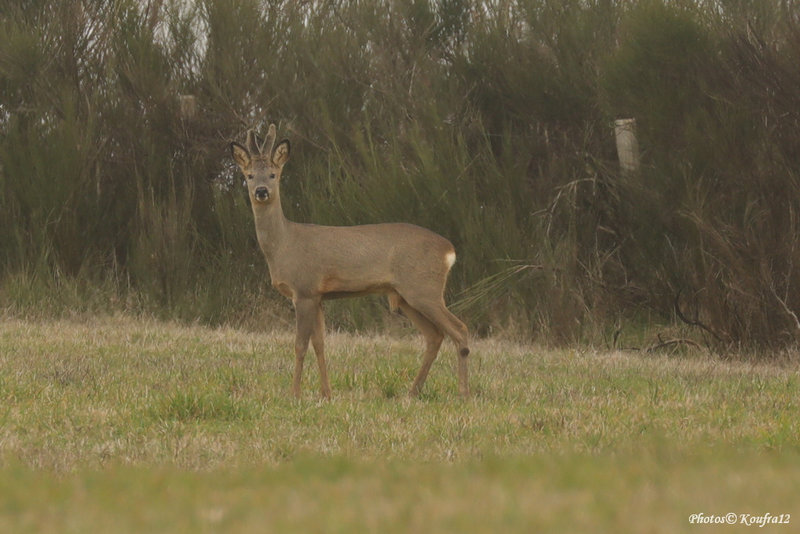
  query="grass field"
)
[{"x": 130, "y": 425}]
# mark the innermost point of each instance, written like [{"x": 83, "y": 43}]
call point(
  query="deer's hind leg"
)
[
  {"x": 433, "y": 340},
  {"x": 444, "y": 321}
]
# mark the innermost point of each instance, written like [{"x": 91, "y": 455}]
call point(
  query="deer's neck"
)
[{"x": 271, "y": 228}]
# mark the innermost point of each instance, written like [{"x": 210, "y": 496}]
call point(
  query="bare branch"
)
[
  {"x": 662, "y": 344},
  {"x": 786, "y": 309},
  {"x": 695, "y": 321}
]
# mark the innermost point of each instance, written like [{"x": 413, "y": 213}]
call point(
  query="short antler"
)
[
  {"x": 269, "y": 142},
  {"x": 252, "y": 142}
]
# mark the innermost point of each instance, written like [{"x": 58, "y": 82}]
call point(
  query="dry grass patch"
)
[{"x": 200, "y": 420}]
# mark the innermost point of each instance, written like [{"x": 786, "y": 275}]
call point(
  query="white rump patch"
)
[{"x": 450, "y": 259}]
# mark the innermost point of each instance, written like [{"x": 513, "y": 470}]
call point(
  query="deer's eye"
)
[
  {"x": 272, "y": 176},
  {"x": 249, "y": 176}
]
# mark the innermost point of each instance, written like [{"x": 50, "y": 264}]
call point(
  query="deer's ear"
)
[
  {"x": 281, "y": 154},
  {"x": 240, "y": 155}
]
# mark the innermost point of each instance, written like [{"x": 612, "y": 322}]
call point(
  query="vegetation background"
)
[{"x": 490, "y": 122}]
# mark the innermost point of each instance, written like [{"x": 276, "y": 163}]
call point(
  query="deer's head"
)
[{"x": 261, "y": 165}]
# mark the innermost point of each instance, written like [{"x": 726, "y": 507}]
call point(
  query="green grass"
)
[{"x": 131, "y": 425}]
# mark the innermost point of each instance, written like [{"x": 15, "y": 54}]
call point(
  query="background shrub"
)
[{"x": 489, "y": 122}]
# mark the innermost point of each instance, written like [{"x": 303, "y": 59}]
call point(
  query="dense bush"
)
[{"x": 489, "y": 122}]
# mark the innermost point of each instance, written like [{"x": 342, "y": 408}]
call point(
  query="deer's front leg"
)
[
  {"x": 310, "y": 325},
  {"x": 305, "y": 315},
  {"x": 318, "y": 341}
]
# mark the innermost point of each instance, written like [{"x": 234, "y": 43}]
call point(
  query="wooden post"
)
[{"x": 627, "y": 146}]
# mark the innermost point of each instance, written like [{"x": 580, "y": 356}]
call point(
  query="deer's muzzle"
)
[{"x": 261, "y": 194}]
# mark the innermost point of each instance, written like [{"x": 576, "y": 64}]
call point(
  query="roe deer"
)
[{"x": 310, "y": 263}]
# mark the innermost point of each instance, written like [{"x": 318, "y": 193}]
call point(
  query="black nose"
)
[{"x": 262, "y": 193}]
